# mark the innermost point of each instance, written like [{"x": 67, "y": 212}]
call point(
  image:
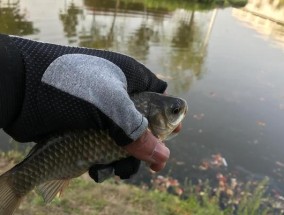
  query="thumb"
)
[{"x": 149, "y": 149}]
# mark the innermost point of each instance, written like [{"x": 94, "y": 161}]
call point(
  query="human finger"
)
[
  {"x": 149, "y": 149},
  {"x": 157, "y": 167}
]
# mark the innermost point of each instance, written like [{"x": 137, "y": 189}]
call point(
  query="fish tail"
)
[{"x": 9, "y": 200}]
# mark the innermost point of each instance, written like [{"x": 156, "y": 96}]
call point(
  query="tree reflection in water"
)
[
  {"x": 69, "y": 19},
  {"x": 13, "y": 21},
  {"x": 134, "y": 29}
]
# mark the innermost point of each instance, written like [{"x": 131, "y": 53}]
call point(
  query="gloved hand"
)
[{"x": 68, "y": 88}]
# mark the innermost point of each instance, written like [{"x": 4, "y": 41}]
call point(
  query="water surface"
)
[{"x": 227, "y": 63}]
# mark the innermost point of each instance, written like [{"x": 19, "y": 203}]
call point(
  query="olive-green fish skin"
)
[{"x": 65, "y": 156}]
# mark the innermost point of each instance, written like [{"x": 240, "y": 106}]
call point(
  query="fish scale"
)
[
  {"x": 61, "y": 157},
  {"x": 75, "y": 159}
]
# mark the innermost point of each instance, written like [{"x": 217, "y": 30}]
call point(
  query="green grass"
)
[
  {"x": 251, "y": 202},
  {"x": 86, "y": 197},
  {"x": 83, "y": 196}
]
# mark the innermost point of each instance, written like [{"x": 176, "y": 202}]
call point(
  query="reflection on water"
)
[
  {"x": 13, "y": 20},
  {"x": 130, "y": 28},
  {"x": 235, "y": 97},
  {"x": 266, "y": 17},
  {"x": 69, "y": 19},
  {"x": 269, "y": 9}
]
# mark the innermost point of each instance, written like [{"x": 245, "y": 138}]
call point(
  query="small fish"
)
[{"x": 54, "y": 161}]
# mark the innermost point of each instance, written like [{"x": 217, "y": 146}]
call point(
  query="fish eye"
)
[{"x": 175, "y": 108}]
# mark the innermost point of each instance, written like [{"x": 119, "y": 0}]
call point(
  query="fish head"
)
[{"x": 163, "y": 112}]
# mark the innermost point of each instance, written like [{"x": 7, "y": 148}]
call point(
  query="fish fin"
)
[
  {"x": 50, "y": 189},
  {"x": 9, "y": 201}
]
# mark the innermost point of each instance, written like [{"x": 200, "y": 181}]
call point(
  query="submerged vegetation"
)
[{"x": 115, "y": 197}]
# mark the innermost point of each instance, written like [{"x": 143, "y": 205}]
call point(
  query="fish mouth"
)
[{"x": 185, "y": 107}]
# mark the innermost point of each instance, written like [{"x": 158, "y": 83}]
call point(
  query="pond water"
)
[{"x": 227, "y": 63}]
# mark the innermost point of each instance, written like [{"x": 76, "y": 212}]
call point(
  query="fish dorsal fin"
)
[{"x": 50, "y": 189}]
